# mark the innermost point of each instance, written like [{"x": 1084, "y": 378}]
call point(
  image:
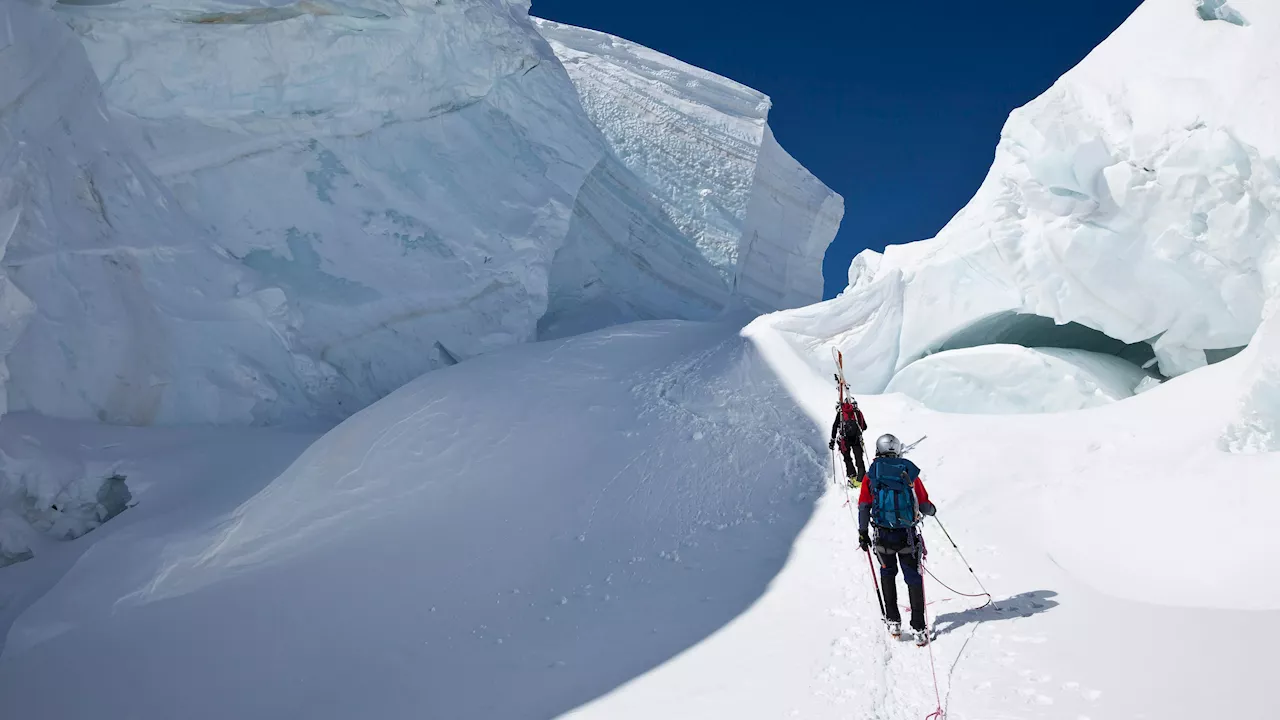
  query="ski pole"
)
[
  {"x": 962, "y": 557},
  {"x": 879, "y": 598}
]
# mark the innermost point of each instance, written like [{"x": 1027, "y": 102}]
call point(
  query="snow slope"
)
[
  {"x": 625, "y": 525},
  {"x": 176, "y": 477},
  {"x": 551, "y": 520},
  {"x": 1136, "y": 197},
  {"x": 702, "y": 142},
  {"x": 1256, "y": 424}
]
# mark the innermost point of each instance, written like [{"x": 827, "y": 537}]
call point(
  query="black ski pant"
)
[
  {"x": 895, "y": 546},
  {"x": 853, "y": 446}
]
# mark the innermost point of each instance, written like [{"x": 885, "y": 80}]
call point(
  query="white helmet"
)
[{"x": 888, "y": 445}]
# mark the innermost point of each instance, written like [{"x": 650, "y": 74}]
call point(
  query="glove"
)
[
  {"x": 832, "y": 444},
  {"x": 864, "y": 542},
  {"x": 928, "y": 508}
]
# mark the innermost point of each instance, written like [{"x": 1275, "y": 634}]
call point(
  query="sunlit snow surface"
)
[{"x": 631, "y": 523}]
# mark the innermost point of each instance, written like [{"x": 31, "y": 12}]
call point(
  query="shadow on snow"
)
[{"x": 1018, "y": 606}]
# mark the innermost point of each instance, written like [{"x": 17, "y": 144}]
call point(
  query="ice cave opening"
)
[
  {"x": 1012, "y": 363},
  {"x": 1037, "y": 331}
]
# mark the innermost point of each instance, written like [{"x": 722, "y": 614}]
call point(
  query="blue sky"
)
[{"x": 897, "y": 106}]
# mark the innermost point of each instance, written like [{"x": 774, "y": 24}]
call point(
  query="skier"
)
[
  {"x": 847, "y": 429},
  {"x": 893, "y": 501}
]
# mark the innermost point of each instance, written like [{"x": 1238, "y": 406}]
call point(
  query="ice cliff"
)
[
  {"x": 1130, "y": 210},
  {"x": 238, "y": 211},
  {"x": 117, "y": 307},
  {"x": 703, "y": 143}
]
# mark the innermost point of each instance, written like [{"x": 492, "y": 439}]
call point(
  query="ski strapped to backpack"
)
[{"x": 841, "y": 385}]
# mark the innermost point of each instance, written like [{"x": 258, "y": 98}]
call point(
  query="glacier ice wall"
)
[
  {"x": 702, "y": 143},
  {"x": 623, "y": 260},
  {"x": 421, "y": 183},
  {"x": 115, "y": 307},
  {"x": 1138, "y": 197},
  {"x": 404, "y": 171}
]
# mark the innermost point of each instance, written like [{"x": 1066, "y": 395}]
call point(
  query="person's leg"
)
[
  {"x": 889, "y": 585},
  {"x": 848, "y": 462},
  {"x": 915, "y": 588},
  {"x": 859, "y": 452}
]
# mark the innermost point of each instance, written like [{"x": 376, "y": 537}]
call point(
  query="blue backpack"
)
[{"x": 893, "y": 496}]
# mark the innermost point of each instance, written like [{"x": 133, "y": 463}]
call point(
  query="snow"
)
[
  {"x": 1013, "y": 379},
  {"x": 640, "y": 521},
  {"x": 703, "y": 145},
  {"x": 475, "y": 548},
  {"x": 1256, "y": 426},
  {"x": 177, "y": 477},
  {"x": 632, "y": 524}
]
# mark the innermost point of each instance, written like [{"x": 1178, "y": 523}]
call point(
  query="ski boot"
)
[
  {"x": 855, "y": 482},
  {"x": 895, "y": 629},
  {"x": 922, "y": 638}
]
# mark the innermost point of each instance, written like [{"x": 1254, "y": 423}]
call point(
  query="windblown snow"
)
[{"x": 641, "y": 520}]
